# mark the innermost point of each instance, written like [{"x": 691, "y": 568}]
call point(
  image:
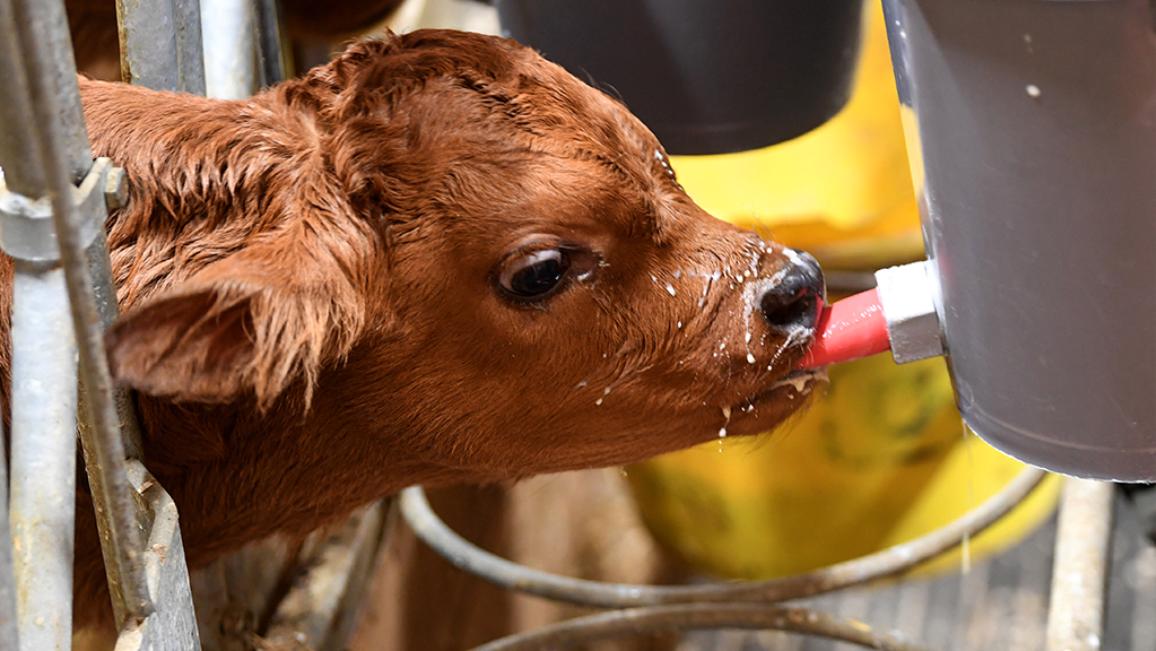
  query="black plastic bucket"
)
[{"x": 707, "y": 76}]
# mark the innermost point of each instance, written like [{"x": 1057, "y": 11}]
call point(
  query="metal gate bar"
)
[
  {"x": 43, "y": 364},
  {"x": 8, "y": 639},
  {"x": 243, "y": 50},
  {"x": 77, "y": 219},
  {"x": 230, "y": 48},
  {"x": 160, "y": 44},
  {"x": 271, "y": 51},
  {"x": 53, "y": 214},
  {"x": 42, "y": 503}
]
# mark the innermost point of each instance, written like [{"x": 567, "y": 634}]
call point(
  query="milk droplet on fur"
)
[
  {"x": 670, "y": 289},
  {"x": 750, "y": 358}
]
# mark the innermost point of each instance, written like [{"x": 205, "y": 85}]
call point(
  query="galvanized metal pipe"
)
[
  {"x": 896, "y": 560},
  {"x": 229, "y": 29},
  {"x": 160, "y": 44},
  {"x": 271, "y": 53},
  {"x": 8, "y": 636},
  {"x": 1080, "y": 570},
  {"x": 683, "y": 617},
  {"x": 15, "y": 144},
  {"x": 43, "y": 500},
  {"x": 20, "y": 156},
  {"x": 43, "y": 370},
  {"x": 243, "y": 47},
  {"x": 77, "y": 218}
]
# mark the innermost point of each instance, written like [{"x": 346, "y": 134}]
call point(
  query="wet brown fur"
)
[{"x": 309, "y": 306}]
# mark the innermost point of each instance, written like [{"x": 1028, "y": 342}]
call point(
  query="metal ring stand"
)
[{"x": 717, "y": 605}]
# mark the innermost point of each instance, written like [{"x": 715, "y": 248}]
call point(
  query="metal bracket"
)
[
  {"x": 172, "y": 625},
  {"x": 26, "y": 230}
]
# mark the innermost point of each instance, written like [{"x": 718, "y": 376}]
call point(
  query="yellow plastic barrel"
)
[{"x": 881, "y": 458}]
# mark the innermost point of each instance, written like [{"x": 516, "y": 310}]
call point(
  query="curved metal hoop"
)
[
  {"x": 683, "y": 617},
  {"x": 895, "y": 560}
]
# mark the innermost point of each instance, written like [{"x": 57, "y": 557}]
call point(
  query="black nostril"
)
[{"x": 796, "y": 299}]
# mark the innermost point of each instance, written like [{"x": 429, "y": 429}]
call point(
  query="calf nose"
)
[{"x": 795, "y": 301}]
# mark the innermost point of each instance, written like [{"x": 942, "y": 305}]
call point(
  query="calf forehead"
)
[
  {"x": 538, "y": 148},
  {"x": 564, "y": 114},
  {"x": 524, "y": 192}
]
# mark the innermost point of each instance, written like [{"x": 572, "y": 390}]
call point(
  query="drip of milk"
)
[
  {"x": 605, "y": 392},
  {"x": 722, "y": 432},
  {"x": 799, "y": 381},
  {"x": 793, "y": 256}
]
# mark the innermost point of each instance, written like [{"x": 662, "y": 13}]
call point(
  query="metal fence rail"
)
[
  {"x": 160, "y": 44},
  {"x": 52, "y": 216},
  {"x": 44, "y": 393}
]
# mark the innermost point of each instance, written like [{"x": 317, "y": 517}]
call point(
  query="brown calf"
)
[{"x": 437, "y": 259}]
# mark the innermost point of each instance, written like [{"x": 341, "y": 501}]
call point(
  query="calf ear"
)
[{"x": 250, "y": 324}]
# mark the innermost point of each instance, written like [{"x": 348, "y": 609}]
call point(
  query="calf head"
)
[{"x": 466, "y": 264}]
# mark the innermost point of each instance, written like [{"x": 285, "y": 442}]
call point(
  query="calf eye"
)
[{"x": 535, "y": 275}]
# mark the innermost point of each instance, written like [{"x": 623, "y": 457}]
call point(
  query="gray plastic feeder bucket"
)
[{"x": 1037, "y": 125}]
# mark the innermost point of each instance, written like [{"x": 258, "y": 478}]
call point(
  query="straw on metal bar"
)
[
  {"x": 1080, "y": 568},
  {"x": 78, "y": 218}
]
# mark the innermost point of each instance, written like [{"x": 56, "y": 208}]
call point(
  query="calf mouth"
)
[
  {"x": 791, "y": 387},
  {"x": 764, "y": 411}
]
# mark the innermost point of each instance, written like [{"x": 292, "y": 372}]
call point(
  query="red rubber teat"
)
[{"x": 849, "y": 329}]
